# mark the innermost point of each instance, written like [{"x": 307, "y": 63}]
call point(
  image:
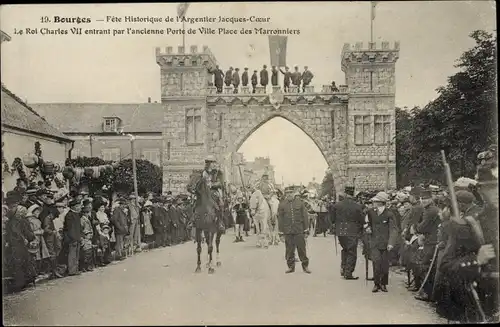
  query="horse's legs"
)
[
  {"x": 217, "y": 244},
  {"x": 210, "y": 241},
  {"x": 198, "y": 249}
]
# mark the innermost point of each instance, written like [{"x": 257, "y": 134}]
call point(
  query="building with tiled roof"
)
[{"x": 100, "y": 129}]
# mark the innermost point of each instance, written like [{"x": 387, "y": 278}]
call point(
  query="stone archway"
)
[{"x": 315, "y": 122}]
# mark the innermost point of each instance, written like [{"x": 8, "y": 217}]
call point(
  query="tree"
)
[
  {"x": 328, "y": 186},
  {"x": 120, "y": 179},
  {"x": 462, "y": 120}
]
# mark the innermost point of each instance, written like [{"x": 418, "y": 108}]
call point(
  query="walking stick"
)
[
  {"x": 366, "y": 269},
  {"x": 336, "y": 250}
]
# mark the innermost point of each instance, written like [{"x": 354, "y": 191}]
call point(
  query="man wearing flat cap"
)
[
  {"x": 348, "y": 219},
  {"x": 119, "y": 219},
  {"x": 383, "y": 232},
  {"x": 135, "y": 226}
]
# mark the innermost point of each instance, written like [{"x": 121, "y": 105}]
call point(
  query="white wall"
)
[{"x": 18, "y": 144}]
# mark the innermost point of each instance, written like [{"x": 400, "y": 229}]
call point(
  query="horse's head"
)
[{"x": 195, "y": 181}]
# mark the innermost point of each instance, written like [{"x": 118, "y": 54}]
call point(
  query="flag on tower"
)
[
  {"x": 182, "y": 9},
  {"x": 374, "y": 4},
  {"x": 277, "y": 48}
]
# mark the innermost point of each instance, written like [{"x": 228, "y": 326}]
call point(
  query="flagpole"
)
[
  {"x": 184, "y": 35},
  {"x": 371, "y": 20}
]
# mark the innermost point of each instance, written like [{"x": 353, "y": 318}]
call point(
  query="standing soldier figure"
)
[
  {"x": 307, "y": 77},
  {"x": 293, "y": 224},
  {"x": 244, "y": 77},
  {"x": 296, "y": 77},
  {"x": 274, "y": 76},
  {"x": 286, "y": 79},
  {"x": 218, "y": 77},
  {"x": 254, "y": 80},
  {"x": 382, "y": 229},
  {"x": 264, "y": 77},
  {"x": 229, "y": 77},
  {"x": 348, "y": 218},
  {"x": 236, "y": 80}
]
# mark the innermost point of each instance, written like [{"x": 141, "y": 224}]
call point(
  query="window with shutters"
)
[
  {"x": 111, "y": 154},
  {"x": 362, "y": 130},
  {"x": 382, "y": 129},
  {"x": 193, "y": 126},
  {"x": 151, "y": 155}
]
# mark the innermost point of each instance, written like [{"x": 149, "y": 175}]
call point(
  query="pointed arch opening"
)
[{"x": 284, "y": 150}]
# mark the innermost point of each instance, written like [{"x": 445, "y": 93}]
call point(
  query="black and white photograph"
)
[{"x": 249, "y": 163}]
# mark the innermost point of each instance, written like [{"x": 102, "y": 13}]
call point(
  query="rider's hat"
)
[{"x": 210, "y": 158}]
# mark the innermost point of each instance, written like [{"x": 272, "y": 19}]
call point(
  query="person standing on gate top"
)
[
  {"x": 348, "y": 219},
  {"x": 254, "y": 80},
  {"x": 236, "y": 80},
  {"x": 286, "y": 79},
  {"x": 218, "y": 77},
  {"x": 307, "y": 77},
  {"x": 264, "y": 77},
  {"x": 274, "y": 76},
  {"x": 228, "y": 79},
  {"x": 293, "y": 224},
  {"x": 296, "y": 77},
  {"x": 244, "y": 77}
]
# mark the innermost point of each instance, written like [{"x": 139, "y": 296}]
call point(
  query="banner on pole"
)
[
  {"x": 277, "y": 48},
  {"x": 374, "y": 5},
  {"x": 182, "y": 9}
]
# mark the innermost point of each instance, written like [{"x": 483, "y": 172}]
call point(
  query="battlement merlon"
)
[
  {"x": 167, "y": 57},
  {"x": 372, "y": 52}
]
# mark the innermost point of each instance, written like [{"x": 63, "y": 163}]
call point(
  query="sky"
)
[{"x": 122, "y": 69}]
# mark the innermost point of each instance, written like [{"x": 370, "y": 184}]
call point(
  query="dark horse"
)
[{"x": 207, "y": 217}]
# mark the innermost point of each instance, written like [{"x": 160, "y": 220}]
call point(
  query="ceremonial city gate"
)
[{"x": 351, "y": 127}]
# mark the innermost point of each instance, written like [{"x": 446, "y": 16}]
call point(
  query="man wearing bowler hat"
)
[
  {"x": 72, "y": 235},
  {"x": 382, "y": 228},
  {"x": 347, "y": 215}
]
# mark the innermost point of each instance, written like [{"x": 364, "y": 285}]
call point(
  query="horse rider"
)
[
  {"x": 215, "y": 181},
  {"x": 266, "y": 187}
]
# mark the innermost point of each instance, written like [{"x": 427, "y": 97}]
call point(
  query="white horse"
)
[
  {"x": 273, "y": 222},
  {"x": 261, "y": 214}
]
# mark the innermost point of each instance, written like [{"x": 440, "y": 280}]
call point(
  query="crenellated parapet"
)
[
  {"x": 373, "y": 52},
  {"x": 277, "y": 97},
  {"x": 182, "y": 58}
]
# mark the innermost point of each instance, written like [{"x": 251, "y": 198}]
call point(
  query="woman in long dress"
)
[
  {"x": 37, "y": 247},
  {"x": 148, "y": 228},
  {"x": 103, "y": 229}
]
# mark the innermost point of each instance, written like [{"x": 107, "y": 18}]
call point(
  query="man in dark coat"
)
[
  {"x": 307, "y": 77},
  {"x": 348, "y": 219},
  {"x": 236, "y": 80},
  {"x": 244, "y": 77},
  {"x": 296, "y": 78},
  {"x": 72, "y": 235},
  {"x": 286, "y": 79},
  {"x": 218, "y": 77},
  {"x": 274, "y": 76},
  {"x": 383, "y": 235},
  {"x": 119, "y": 219},
  {"x": 293, "y": 223},
  {"x": 254, "y": 80},
  {"x": 228, "y": 79},
  {"x": 264, "y": 77},
  {"x": 427, "y": 230},
  {"x": 157, "y": 222}
]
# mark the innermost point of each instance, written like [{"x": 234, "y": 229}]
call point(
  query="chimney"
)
[{"x": 149, "y": 99}]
